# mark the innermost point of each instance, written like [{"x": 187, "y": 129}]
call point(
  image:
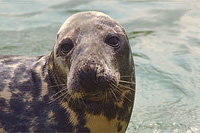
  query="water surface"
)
[{"x": 165, "y": 41}]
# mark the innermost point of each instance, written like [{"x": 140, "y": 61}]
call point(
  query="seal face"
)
[{"x": 90, "y": 76}]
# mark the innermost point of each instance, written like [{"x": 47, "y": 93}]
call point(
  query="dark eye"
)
[
  {"x": 112, "y": 40},
  {"x": 67, "y": 45}
]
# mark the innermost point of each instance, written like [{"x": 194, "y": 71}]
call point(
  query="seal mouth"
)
[
  {"x": 104, "y": 96},
  {"x": 94, "y": 97}
]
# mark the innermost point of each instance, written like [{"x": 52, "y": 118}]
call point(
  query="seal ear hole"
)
[
  {"x": 66, "y": 46},
  {"x": 112, "y": 40}
]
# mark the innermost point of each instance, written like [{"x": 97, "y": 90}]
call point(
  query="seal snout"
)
[{"x": 92, "y": 80}]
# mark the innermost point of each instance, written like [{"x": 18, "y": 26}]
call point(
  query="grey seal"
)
[{"x": 87, "y": 83}]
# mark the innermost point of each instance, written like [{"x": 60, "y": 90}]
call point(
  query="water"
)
[{"x": 165, "y": 40}]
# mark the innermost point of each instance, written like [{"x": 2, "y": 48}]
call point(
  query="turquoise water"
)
[{"x": 165, "y": 40}]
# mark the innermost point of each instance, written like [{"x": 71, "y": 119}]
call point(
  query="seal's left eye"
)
[
  {"x": 112, "y": 40},
  {"x": 67, "y": 45}
]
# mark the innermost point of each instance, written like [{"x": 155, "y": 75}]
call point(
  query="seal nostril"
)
[
  {"x": 83, "y": 75},
  {"x": 93, "y": 75}
]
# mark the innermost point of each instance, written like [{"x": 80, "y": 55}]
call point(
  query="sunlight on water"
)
[{"x": 165, "y": 40}]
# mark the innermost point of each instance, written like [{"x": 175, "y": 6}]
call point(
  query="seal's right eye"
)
[{"x": 66, "y": 46}]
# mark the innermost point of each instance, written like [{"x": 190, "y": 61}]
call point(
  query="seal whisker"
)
[
  {"x": 113, "y": 92},
  {"x": 53, "y": 86},
  {"x": 129, "y": 88},
  {"x": 109, "y": 92},
  {"x": 72, "y": 100},
  {"x": 58, "y": 92},
  {"x": 83, "y": 102},
  {"x": 66, "y": 96},
  {"x": 119, "y": 91},
  {"x": 57, "y": 98},
  {"x": 126, "y": 76},
  {"x": 106, "y": 97},
  {"x": 103, "y": 98},
  {"x": 124, "y": 96},
  {"x": 123, "y": 81},
  {"x": 127, "y": 98},
  {"x": 118, "y": 88},
  {"x": 79, "y": 103},
  {"x": 70, "y": 97},
  {"x": 115, "y": 87}
]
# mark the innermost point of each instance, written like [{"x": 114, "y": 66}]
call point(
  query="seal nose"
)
[
  {"x": 91, "y": 74},
  {"x": 89, "y": 80}
]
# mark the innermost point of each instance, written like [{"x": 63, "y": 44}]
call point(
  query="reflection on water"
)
[{"x": 165, "y": 40}]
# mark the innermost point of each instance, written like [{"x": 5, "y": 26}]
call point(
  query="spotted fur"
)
[{"x": 24, "y": 95}]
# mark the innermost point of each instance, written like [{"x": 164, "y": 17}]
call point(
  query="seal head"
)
[{"x": 91, "y": 52}]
